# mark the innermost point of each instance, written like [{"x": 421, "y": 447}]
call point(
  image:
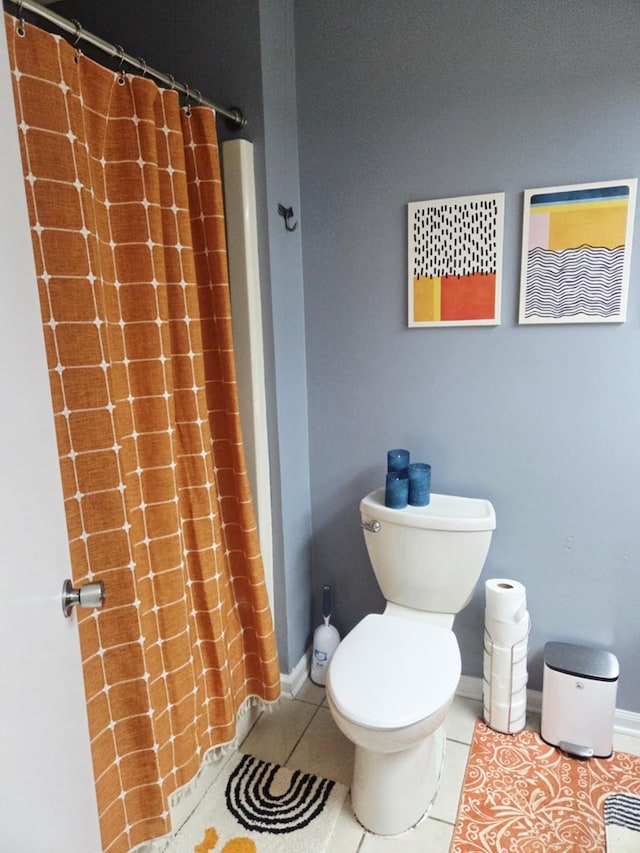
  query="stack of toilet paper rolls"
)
[{"x": 506, "y": 633}]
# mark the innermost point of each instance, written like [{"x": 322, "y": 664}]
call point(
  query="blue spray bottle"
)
[{"x": 326, "y": 640}]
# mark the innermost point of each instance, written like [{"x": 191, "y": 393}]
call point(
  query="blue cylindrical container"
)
[
  {"x": 398, "y": 460},
  {"x": 396, "y": 493},
  {"x": 419, "y": 484}
]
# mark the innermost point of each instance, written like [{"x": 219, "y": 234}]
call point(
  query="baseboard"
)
[
  {"x": 292, "y": 684},
  {"x": 624, "y": 722}
]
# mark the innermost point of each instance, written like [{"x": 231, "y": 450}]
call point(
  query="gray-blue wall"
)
[
  {"x": 290, "y": 429},
  {"x": 416, "y": 100}
]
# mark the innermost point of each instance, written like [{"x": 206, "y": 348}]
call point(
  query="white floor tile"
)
[
  {"x": 311, "y": 693},
  {"x": 461, "y": 719},
  {"x": 324, "y": 750},
  {"x": 348, "y": 833},
  {"x": 430, "y": 836},
  {"x": 455, "y": 763},
  {"x": 626, "y": 743},
  {"x": 275, "y": 735}
]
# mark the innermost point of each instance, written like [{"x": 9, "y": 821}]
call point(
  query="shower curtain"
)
[{"x": 125, "y": 205}]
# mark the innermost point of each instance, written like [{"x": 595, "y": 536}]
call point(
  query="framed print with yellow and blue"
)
[{"x": 576, "y": 253}]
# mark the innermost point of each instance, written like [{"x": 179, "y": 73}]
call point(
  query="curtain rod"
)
[{"x": 234, "y": 115}]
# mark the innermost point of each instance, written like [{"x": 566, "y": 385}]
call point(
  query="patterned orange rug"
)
[{"x": 521, "y": 795}]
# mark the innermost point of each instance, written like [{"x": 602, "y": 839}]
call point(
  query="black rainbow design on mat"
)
[
  {"x": 586, "y": 280},
  {"x": 252, "y": 803},
  {"x": 622, "y": 810}
]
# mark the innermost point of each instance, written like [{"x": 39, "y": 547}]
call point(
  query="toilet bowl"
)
[
  {"x": 389, "y": 687},
  {"x": 392, "y": 680}
]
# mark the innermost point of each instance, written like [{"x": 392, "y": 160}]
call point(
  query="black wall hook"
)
[{"x": 287, "y": 213}]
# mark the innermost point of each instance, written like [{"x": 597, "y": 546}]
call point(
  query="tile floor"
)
[{"x": 300, "y": 734}]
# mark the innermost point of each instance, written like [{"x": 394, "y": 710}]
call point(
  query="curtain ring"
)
[
  {"x": 143, "y": 63},
  {"x": 120, "y": 69},
  {"x": 78, "y": 37},
  {"x": 20, "y": 28},
  {"x": 188, "y": 104},
  {"x": 78, "y": 27}
]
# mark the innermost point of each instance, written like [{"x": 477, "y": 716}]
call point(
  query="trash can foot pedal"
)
[{"x": 576, "y": 750}]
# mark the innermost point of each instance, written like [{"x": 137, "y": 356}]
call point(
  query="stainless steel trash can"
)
[{"x": 579, "y": 688}]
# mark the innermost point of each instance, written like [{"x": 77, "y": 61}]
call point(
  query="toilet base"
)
[{"x": 392, "y": 791}]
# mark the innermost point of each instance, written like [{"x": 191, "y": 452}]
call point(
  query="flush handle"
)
[
  {"x": 371, "y": 526},
  {"x": 89, "y": 595}
]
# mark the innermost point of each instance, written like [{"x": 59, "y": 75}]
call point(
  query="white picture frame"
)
[
  {"x": 576, "y": 253},
  {"x": 455, "y": 261}
]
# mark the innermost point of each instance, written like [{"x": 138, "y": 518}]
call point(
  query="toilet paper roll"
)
[
  {"x": 507, "y": 634},
  {"x": 504, "y": 664},
  {"x": 502, "y": 720},
  {"x": 506, "y": 682},
  {"x": 500, "y": 694},
  {"x": 509, "y": 718},
  {"x": 504, "y": 689},
  {"x": 505, "y": 715},
  {"x": 516, "y": 705},
  {"x": 505, "y": 719},
  {"x": 492, "y": 669},
  {"x": 502, "y": 661},
  {"x": 516, "y": 652},
  {"x": 505, "y": 600}
]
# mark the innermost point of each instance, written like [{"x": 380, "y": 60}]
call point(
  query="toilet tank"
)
[{"x": 428, "y": 557}]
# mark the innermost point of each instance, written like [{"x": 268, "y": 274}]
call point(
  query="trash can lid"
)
[{"x": 582, "y": 661}]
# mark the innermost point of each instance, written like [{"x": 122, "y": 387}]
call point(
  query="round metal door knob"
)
[{"x": 88, "y": 595}]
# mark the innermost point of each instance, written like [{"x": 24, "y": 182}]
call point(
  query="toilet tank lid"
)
[{"x": 444, "y": 512}]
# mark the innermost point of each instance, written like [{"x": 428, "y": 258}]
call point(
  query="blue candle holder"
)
[
  {"x": 396, "y": 493},
  {"x": 419, "y": 484}
]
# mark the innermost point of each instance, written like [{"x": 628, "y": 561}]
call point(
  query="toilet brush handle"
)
[{"x": 326, "y": 601}]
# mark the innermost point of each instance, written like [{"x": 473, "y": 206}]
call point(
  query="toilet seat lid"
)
[{"x": 390, "y": 672}]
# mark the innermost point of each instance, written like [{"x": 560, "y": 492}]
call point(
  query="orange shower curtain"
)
[{"x": 126, "y": 215}]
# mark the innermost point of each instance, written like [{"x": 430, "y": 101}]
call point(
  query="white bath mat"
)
[
  {"x": 622, "y": 823},
  {"x": 258, "y": 807}
]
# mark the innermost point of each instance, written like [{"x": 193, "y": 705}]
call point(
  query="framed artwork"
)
[
  {"x": 455, "y": 261},
  {"x": 576, "y": 253}
]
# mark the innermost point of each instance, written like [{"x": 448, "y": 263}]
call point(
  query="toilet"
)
[{"x": 392, "y": 679}]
